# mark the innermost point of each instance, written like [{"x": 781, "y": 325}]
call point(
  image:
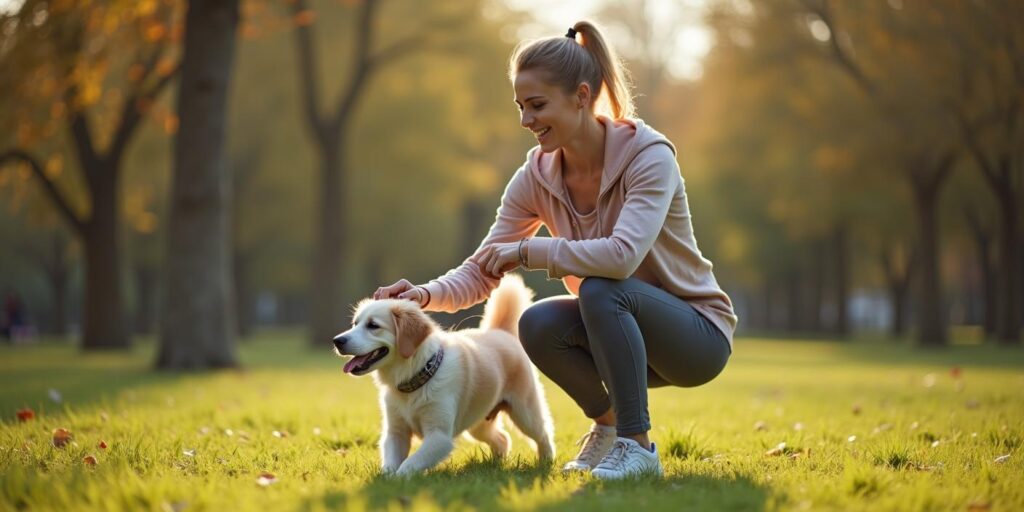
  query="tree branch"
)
[
  {"x": 55, "y": 195},
  {"x": 843, "y": 58}
]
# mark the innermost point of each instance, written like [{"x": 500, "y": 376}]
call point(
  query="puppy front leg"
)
[
  {"x": 436, "y": 447},
  {"x": 394, "y": 446}
]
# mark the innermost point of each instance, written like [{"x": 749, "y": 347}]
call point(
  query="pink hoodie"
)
[{"x": 640, "y": 228}]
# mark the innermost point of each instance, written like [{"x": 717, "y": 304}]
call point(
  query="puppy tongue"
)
[{"x": 355, "y": 362}]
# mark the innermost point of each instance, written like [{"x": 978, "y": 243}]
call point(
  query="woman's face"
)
[{"x": 545, "y": 109}]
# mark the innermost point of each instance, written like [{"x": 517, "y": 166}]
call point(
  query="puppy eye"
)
[{"x": 372, "y": 325}]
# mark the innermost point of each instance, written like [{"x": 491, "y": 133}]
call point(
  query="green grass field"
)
[{"x": 866, "y": 426}]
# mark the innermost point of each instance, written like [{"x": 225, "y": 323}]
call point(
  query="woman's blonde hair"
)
[{"x": 569, "y": 63}]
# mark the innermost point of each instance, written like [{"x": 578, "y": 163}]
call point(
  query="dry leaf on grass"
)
[
  {"x": 266, "y": 479},
  {"x": 61, "y": 437},
  {"x": 89, "y": 460},
  {"x": 102, "y": 445},
  {"x": 26, "y": 414},
  {"x": 1002, "y": 458},
  {"x": 778, "y": 450}
]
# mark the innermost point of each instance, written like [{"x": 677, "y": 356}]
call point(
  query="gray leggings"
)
[{"x": 625, "y": 336}]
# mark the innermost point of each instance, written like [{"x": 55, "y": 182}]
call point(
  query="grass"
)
[{"x": 865, "y": 426}]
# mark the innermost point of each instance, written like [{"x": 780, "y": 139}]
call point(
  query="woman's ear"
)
[
  {"x": 583, "y": 95},
  {"x": 411, "y": 328}
]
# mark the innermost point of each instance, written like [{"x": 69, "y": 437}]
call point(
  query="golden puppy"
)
[{"x": 436, "y": 384}]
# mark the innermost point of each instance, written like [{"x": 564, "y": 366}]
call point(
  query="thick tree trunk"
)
[
  {"x": 327, "y": 308},
  {"x": 104, "y": 318},
  {"x": 244, "y": 301},
  {"x": 198, "y": 319},
  {"x": 930, "y": 314}
]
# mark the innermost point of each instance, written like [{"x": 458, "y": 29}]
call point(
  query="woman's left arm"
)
[{"x": 651, "y": 182}]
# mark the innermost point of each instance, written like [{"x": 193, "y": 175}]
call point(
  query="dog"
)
[{"x": 436, "y": 384}]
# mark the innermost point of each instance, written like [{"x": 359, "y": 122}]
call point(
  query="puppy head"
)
[{"x": 379, "y": 329}]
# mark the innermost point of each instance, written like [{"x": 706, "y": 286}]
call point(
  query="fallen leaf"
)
[
  {"x": 341, "y": 451},
  {"x": 978, "y": 506},
  {"x": 228, "y": 432},
  {"x": 798, "y": 426},
  {"x": 760, "y": 425},
  {"x": 316, "y": 431},
  {"x": 778, "y": 450},
  {"x": 26, "y": 414},
  {"x": 89, "y": 460},
  {"x": 935, "y": 443},
  {"x": 204, "y": 430},
  {"x": 851, "y": 439},
  {"x": 1002, "y": 458},
  {"x": 61, "y": 437},
  {"x": 102, "y": 445},
  {"x": 266, "y": 479},
  {"x": 280, "y": 434},
  {"x": 189, "y": 453}
]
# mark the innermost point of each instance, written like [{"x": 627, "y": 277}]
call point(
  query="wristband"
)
[
  {"x": 425, "y": 290},
  {"x": 522, "y": 257}
]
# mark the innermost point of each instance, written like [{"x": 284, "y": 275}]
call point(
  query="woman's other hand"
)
[
  {"x": 497, "y": 259},
  {"x": 403, "y": 289}
]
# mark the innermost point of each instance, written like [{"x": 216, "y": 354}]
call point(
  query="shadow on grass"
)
[{"x": 487, "y": 484}]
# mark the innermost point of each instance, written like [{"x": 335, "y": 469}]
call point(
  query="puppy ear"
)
[{"x": 411, "y": 328}]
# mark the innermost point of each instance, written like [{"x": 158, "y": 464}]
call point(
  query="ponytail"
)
[{"x": 569, "y": 63}]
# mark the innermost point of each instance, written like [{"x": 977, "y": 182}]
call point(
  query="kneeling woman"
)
[{"x": 645, "y": 308}]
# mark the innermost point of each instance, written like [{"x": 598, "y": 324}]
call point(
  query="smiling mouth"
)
[
  {"x": 542, "y": 132},
  {"x": 359, "y": 365}
]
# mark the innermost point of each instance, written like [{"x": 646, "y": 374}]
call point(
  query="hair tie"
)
[{"x": 571, "y": 34}]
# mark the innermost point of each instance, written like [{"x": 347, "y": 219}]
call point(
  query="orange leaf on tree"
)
[{"x": 26, "y": 414}]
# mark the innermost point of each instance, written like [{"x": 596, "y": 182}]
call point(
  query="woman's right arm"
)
[{"x": 467, "y": 285}]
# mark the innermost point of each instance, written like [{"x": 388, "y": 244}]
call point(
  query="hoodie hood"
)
[{"x": 624, "y": 139}]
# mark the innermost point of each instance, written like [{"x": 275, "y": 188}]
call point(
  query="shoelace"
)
[
  {"x": 616, "y": 455},
  {"x": 588, "y": 447}
]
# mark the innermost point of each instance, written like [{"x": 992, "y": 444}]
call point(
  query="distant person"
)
[
  {"x": 645, "y": 309},
  {"x": 15, "y": 325}
]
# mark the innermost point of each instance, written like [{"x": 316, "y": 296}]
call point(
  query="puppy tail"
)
[{"x": 506, "y": 305}]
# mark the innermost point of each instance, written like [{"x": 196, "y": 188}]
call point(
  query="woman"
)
[{"x": 645, "y": 308}]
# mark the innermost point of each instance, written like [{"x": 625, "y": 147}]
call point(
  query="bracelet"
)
[
  {"x": 522, "y": 258},
  {"x": 425, "y": 290}
]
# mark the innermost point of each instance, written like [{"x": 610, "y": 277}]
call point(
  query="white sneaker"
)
[
  {"x": 627, "y": 458},
  {"x": 596, "y": 444}
]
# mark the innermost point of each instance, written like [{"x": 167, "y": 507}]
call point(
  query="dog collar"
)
[{"x": 424, "y": 374}]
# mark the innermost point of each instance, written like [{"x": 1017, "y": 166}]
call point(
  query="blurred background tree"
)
[{"x": 852, "y": 167}]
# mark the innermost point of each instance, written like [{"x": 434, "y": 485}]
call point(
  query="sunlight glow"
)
[{"x": 675, "y": 31}]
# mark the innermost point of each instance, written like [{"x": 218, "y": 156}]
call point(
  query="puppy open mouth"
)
[{"x": 359, "y": 365}]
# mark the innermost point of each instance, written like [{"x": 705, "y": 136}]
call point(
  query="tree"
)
[
  {"x": 197, "y": 321},
  {"x": 330, "y": 131},
  {"x": 57, "y": 59}
]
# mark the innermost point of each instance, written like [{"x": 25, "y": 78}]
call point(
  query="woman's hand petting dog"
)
[
  {"x": 497, "y": 259},
  {"x": 403, "y": 289}
]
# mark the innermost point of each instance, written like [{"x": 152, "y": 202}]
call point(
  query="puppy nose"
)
[{"x": 339, "y": 341}]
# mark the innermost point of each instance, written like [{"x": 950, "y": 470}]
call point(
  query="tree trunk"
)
[
  {"x": 930, "y": 311},
  {"x": 327, "y": 308},
  {"x": 793, "y": 311},
  {"x": 104, "y": 319},
  {"x": 897, "y": 278},
  {"x": 1009, "y": 303},
  {"x": 839, "y": 239},
  {"x": 198, "y": 320},
  {"x": 983, "y": 245},
  {"x": 816, "y": 286}
]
